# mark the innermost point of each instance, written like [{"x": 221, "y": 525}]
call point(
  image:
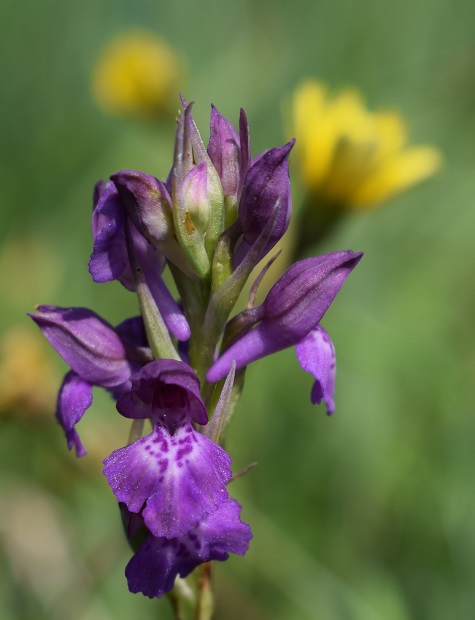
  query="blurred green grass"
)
[{"x": 364, "y": 515}]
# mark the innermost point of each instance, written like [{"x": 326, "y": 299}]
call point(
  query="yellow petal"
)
[
  {"x": 391, "y": 132},
  {"x": 28, "y": 379},
  {"x": 308, "y": 103},
  {"x": 323, "y": 127},
  {"x": 396, "y": 174},
  {"x": 354, "y": 146},
  {"x": 350, "y": 118},
  {"x": 350, "y": 165},
  {"x": 309, "y": 112}
]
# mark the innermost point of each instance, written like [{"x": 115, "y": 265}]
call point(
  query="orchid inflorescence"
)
[{"x": 180, "y": 364}]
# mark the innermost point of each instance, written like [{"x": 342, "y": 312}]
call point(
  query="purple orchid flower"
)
[
  {"x": 110, "y": 256},
  {"x": 290, "y": 315},
  {"x": 266, "y": 187},
  {"x": 158, "y": 561},
  {"x": 98, "y": 355},
  {"x": 174, "y": 476}
]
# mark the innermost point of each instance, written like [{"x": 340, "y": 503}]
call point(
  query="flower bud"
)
[
  {"x": 188, "y": 236},
  {"x": 224, "y": 152},
  {"x": 195, "y": 188},
  {"x": 147, "y": 202},
  {"x": 266, "y": 183},
  {"x": 194, "y": 143}
]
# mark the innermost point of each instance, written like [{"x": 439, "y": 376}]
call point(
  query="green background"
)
[{"x": 367, "y": 515}]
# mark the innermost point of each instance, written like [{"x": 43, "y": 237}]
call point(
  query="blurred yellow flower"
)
[
  {"x": 137, "y": 74},
  {"x": 28, "y": 380},
  {"x": 349, "y": 156}
]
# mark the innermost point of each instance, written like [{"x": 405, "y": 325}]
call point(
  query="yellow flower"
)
[
  {"x": 137, "y": 74},
  {"x": 28, "y": 380},
  {"x": 352, "y": 157}
]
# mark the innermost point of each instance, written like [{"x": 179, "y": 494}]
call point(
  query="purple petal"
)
[
  {"x": 224, "y": 151},
  {"x": 153, "y": 569},
  {"x": 109, "y": 259},
  {"x": 259, "y": 342},
  {"x": 132, "y": 332},
  {"x": 245, "y": 153},
  {"x": 266, "y": 183},
  {"x": 299, "y": 299},
  {"x": 180, "y": 478},
  {"x": 148, "y": 203},
  {"x": 75, "y": 396},
  {"x": 171, "y": 312},
  {"x": 316, "y": 355},
  {"x": 165, "y": 390},
  {"x": 153, "y": 263},
  {"x": 86, "y": 342},
  {"x": 99, "y": 189}
]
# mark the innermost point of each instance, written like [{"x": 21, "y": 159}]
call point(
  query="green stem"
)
[
  {"x": 136, "y": 430},
  {"x": 177, "y": 605},
  {"x": 205, "y": 603},
  {"x": 157, "y": 332}
]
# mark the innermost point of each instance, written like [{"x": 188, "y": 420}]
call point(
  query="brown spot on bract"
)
[{"x": 189, "y": 227}]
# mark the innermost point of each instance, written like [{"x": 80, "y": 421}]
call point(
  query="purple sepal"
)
[
  {"x": 179, "y": 476},
  {"x": 299, "y": 299},
  {"x": 171, "y": 312},
  {"x": 132, "y": 332},
  {"x": 99, "y": 189},
  {"x": 245, "y": 154},
  {"x": 224, "y": 152},
  {"x": 261, "y": 341},
  {"x": 147, "y": 202},
  {"x": 153, "y": 263},
  {"x": 153, "y": 569},
  {"x": 109, "y": 259},
  {"x": 165, "y": 390},
  {"x": 86, "y": 342},
  {"x": 294, "y": 306},
  {"x": 316, "y": 355},
  {"x": 74, "y": 397},
  {"x": 267, "y": 183}
]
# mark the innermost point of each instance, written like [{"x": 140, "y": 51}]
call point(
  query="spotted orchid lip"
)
[{"x": 173, "y": 477}]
